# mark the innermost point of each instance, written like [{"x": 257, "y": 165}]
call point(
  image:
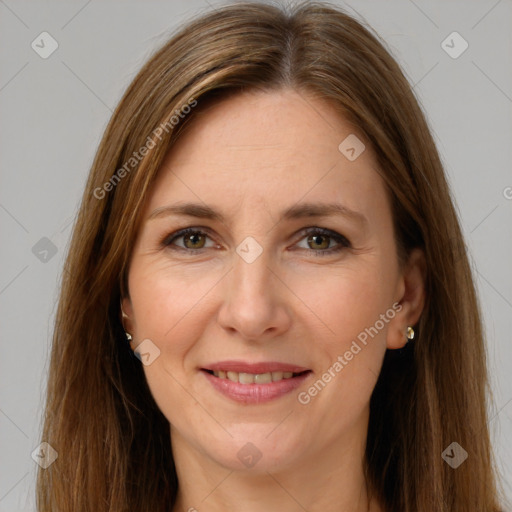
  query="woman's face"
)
[{"x": 272, "y": 279}]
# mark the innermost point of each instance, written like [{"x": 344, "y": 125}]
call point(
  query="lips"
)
[
  {"x": 255, "y": 368},
  {"x": 254, "y": 382}
]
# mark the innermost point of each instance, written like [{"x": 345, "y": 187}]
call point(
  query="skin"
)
[{"x": 250, "y": 157}]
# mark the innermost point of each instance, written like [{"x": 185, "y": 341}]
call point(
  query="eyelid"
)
[
  {"x": 166, "y": 241},
  {"x": 342, "y": 241}
]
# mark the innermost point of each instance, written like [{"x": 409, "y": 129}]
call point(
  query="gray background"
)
[{"x": 53, "y": 113}]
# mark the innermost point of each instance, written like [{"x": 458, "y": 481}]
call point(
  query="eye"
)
[
  {"x": 319, "y": 240},
  {"x": 193, "y": 239}
]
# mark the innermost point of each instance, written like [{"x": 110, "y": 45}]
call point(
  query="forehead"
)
[{"x": 269, "y": 148}]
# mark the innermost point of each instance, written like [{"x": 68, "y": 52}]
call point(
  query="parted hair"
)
[{"x": 113, "y": 441}]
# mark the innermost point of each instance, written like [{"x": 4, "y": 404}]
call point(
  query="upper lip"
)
[{"x": 256, "y": 368}]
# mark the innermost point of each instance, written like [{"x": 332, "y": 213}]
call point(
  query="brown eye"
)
[
  {"x": 187, "y": 239},
  {"x": 195, "y": 240},
  {"x": 320, "y": 241}
]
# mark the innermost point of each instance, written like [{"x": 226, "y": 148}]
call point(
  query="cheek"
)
[
  {"x": 169, "y": 305},
  {"x": 351, "y": 306},
  {"x": 346, "y": 301}
]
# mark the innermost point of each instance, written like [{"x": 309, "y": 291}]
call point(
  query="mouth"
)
[
  {"x": 255, "y": 383},
  {"x": 255, "y": 378}
]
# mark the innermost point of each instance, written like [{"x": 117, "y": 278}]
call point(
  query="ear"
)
[
  {"x": 126, "y": 314},
  {"x": 411, "y": 297}
]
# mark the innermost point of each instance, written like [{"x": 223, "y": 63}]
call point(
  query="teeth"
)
[
  {"x": 251, "y": 378},
  {"x": 277, "y": 376},
  {"x": 262, "y": 378},
  {"x": 232, "y": 376},
  {"x": 246, "y": 378}
]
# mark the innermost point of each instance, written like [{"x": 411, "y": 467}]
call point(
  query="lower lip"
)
[{"x": 255, "y": 393}]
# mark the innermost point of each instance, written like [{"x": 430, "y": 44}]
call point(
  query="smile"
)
[
  {"x": 254, "y": 378},
  {"x": 254, "y": 383}
]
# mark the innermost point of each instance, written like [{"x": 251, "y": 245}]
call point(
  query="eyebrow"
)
[{"x": 298, "y": 211}]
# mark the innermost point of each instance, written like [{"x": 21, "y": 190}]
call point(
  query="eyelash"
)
[{"x": 343, "y": 242}]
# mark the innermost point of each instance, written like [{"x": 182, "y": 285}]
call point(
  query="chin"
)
[{"x": 257, "y": 450}]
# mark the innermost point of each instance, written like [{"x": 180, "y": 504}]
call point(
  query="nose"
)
[{"x": 256, "y": 303}]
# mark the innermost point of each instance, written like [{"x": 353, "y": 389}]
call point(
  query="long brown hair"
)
[{"x": 113, "y": 441}]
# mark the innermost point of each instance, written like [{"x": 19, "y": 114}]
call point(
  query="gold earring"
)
[
  {"x": 127, "y": 334},
  {"x": 410, "y": 333}
]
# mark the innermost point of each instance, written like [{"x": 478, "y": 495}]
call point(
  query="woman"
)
[{"x": 266, "y": 301}]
